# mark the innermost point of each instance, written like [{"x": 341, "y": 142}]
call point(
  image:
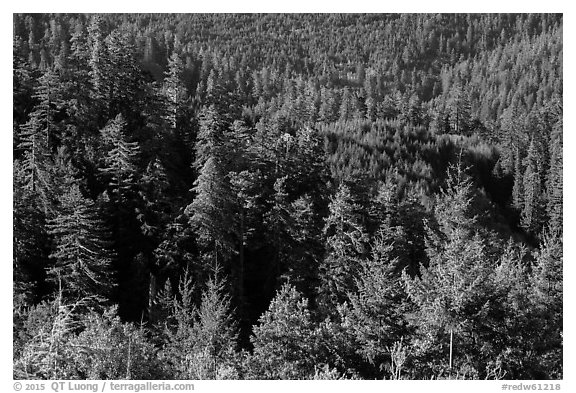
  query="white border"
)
[{"x": 298, "y": 6}]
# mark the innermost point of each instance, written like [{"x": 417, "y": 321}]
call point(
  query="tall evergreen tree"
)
[
  {"x": 210, "y": 213},
  {"x": 532, "y": 210},
  {"x": 547, "y": 293},
  {"x": 39, "y": 134},
  {"x": 175, "y": 91},
  {"x": 211, "y": 140},
  {"x": 554, "y": 181},
  {"x": 35, "y": 153},
  {"x": 285, "y": 341},
  {"x": 120, "y": 167},
  {"x": 82, "y": 252},
  {"x": 346, "y": 245},
  {"x": 375, "y": 316},
  {"x": 200, "y": 340},
  {"x": 98, "y": 55},
  {"x": 459, "y": 105},
  {"x": 454, "y": 294}
]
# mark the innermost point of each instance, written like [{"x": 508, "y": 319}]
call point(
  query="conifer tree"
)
[
  {"x": 78, "y": 50},
  {"x": 39, "y": 134},
  {"x": 348, "y": 105},
  {"x": 153, "y": 186},
  {"x": 328, "y": 110},
  {"x": 210, "y": 214},
  {"x": 532, "y": 186},
  {"x": 345, "y": 246},
  {"x": 35, "y": 152},
  {"x": 279, "y": 222},
  {"x": 375, "y": 316},
  {"x": 125, "y": 90},
  {"x": 98, "y": 55},
  {"x": 215, "y": 333},
  {"x": 554, "y": 181},
  {"x": 211, "y": 139},
  {"x": 285, "y": 341},
  {"x": 459, "y": 104},
  {"x": 30, "y": 240},
  {"x": 49, "y": 96},
  {"x": 200, "y": 340},
  {"x": 82, "y": 250},
  {"x": 175, "y": 91},
  {"x": 547, "y": 293},
  {"x": 120, "y": 167},
  {"x": 517, "y": 188},
  {"x": 453, "y": 295},
  {"x": 306, "y": 249}
]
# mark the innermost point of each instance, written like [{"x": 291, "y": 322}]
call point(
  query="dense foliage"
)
[{"x": 287, "y": 196}]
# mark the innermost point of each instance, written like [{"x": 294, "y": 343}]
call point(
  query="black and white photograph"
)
[{"x": 287, "y": 196}]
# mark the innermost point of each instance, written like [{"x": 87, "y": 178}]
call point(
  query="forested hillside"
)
[{"x": 287, "y": 196}]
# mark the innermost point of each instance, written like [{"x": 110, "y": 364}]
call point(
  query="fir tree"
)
[
  {"x": 375, "y": 316},
  {"x": 211, "y": 139},
  {"x": 98, "y": 55},
  {"x": 285, "y": 342},
  {"x": 454, "y": 293},
  {"x": 82, "y": 250},
  {"x": 532, "y": 185},
  {"x": 345, "y": 246},
  {"x": 554, "y": 182},
  {"x": 210, "y": 213},
  {"x": 175, "y": 91},
  {"x": 120, "y": 161}
]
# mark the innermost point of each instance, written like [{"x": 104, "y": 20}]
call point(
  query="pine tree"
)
[
  {"x": 348, "y": 107},
  {"x": 78, "y": 49},
  {"x": 533, "y": 193},
  {"x": 547, "y": 293},
  {"x": 306, "y": 248},
  {"x": 459, "y": 104},
  {"x": 279, "y": 223},
  {"x": 82, "y": 250},
  {"x": 175, "y": 91},
  {"x": 30, "y": 240},
  {"x": 375, "y": 315},
  {"x": 108, "y": 348},
  {"x": 215, "y": 334},
  {"x": 98, "y": 55},
  {"x": 35, "y": 152},
  {"x": 309, "y": 167},
  {"x": 211, "y": 139},
  {"x": 554, "y": 182},
  {"x": 124, "y": 86},
  {"x": 517, "y": 188},
  {"x": 386, "y": 220},
  {"x": 49, "y": 96},
  {"x": 153, "y": 185},
  {"x": 454, "y": 294},
  {"x": 211, "y": 212},
  {"x": 201, "y": 341},
  {"x": 328, "y": 110},
  {"x": 39, "y": 134},
  {"x": 345, "y": 246},
  {"x": 285, "y": 341},
  {"x": 120, "y": 168}
]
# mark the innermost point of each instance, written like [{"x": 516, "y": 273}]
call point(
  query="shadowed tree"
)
[
  {"x": 454, "y": 294},
  {"x": 82, "y": 256},
  {"x": 346, "y": 245},
  {"x": 210, "y": 214}
]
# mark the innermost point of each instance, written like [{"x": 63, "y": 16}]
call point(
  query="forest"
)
[{"x": 287, "y": 196}]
